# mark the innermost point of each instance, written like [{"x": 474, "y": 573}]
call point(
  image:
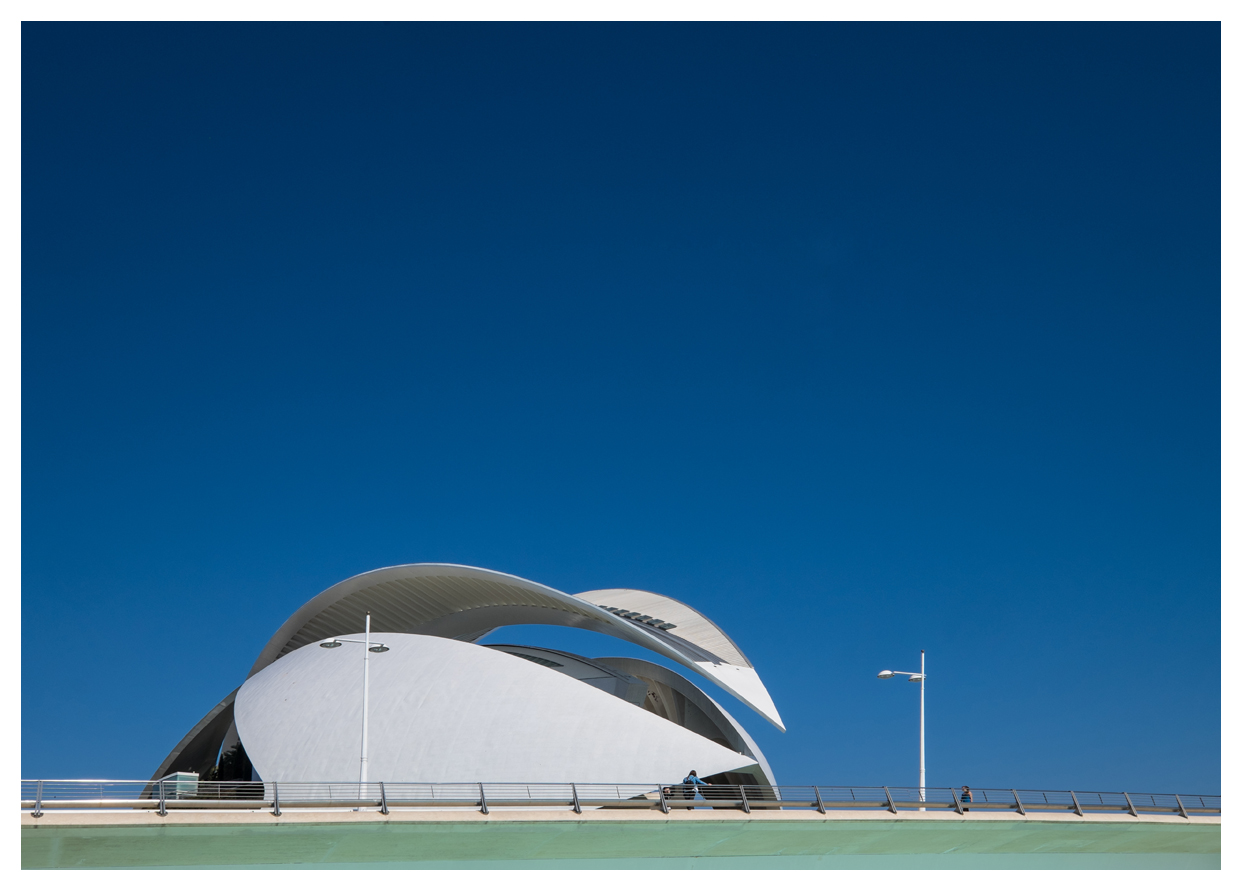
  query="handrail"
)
[{"x": 180, "y": 792}]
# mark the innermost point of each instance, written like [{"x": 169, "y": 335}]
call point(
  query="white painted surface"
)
[{"x": 447, "y": 711}]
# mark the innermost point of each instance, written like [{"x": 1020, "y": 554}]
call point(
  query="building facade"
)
[{"x": 444, "y": 706}]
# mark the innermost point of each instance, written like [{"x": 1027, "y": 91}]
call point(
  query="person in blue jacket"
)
[{"x": 688, "y": 784}]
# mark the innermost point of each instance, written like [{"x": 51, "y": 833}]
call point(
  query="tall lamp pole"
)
[
  {"x": 366, "y": 697},
  {"x": 921, "y": 677},
  {"x": 367, "y": 649}
]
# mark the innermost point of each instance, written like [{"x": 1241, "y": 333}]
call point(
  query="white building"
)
[{"x": 445, "y": 707}]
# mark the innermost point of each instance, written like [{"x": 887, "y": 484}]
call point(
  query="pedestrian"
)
[
  {"x": 965, "y": 798},
  {"x": 688, "y": 785}
]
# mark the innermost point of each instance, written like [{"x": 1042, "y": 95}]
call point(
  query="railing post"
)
[
  {"x": 483, "y": 800},
  {"x": 745, "y": 803},
  {"x": 1077, "y": 806},
  {"x": 819, "y": 802},
  {"x": 1018, "y": 802},
  {"x": 38, "y": 811},
  {"x": 892, "y": 807},
  {"x": 957, "y": 803},
  {"x": 383, "y": 801},
  {"x": 275, "y": 799},
  {"x": 577, "y": 806},
  {"x": 1130, "y": 805},
  {"x": 1181, "y": 807},
  {"x": 663, "y": 803},
  {"x": 163, "y": 811}
]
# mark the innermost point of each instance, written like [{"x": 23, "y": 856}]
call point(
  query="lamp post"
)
[
  {"x": 921, "y": 677},
  {"x": 367, "y": 650}
]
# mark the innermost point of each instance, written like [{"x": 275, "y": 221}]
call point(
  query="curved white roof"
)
[
  {"x": 467, "y": 602},
  {"x": 665, "y": 613},
  {"x": 474, "y": 714}
]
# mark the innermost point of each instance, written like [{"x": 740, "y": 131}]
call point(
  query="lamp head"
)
[
  {"x": 330, "y": 644},
  {"x": 378, "y": 648},
  {"x": 885, "y": 674},
  {"x": 917, "y": 677}
]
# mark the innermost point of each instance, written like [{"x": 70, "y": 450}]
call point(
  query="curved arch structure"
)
[{"x": 465, "y": 603}]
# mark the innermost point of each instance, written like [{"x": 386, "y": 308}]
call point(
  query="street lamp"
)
[
  {"x": 368, "y": 649},
  {"x": 921, "y": 677}
]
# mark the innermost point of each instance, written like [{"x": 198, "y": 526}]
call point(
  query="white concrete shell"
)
[
  {"x": 447, "y": 711},
  {"x": 466, "y": 602}
]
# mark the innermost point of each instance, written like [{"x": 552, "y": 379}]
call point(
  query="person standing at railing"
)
[
  {"x": 688, "y": 786},
  {"x": 965, "y": 798}
]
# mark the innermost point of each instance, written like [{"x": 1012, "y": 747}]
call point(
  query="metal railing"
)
[{"x": 186, "y": 792}]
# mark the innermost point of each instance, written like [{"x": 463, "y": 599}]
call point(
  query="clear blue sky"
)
[{"x": 859, "y": 338}]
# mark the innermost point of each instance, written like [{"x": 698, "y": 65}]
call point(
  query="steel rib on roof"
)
[{"x": 401, "y": 605}]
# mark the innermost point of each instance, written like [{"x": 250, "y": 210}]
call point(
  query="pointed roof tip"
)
[
  {"x": 776, "y": 720},
  {"x": 709, "y": 649},
  {"x": 756, "y": 697}
]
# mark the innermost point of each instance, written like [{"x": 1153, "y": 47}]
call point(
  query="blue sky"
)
[{"x": 859, "y": 338}]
